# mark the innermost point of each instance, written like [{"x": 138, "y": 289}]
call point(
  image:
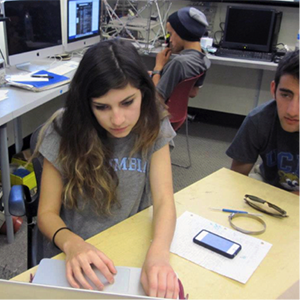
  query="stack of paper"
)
[{"x": 39, "y": 81}]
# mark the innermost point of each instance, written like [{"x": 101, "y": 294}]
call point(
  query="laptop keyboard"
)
[{"x": 248, "y": 55}]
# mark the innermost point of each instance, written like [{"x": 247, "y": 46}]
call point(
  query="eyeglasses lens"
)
[{"x": 264, "y": 206}]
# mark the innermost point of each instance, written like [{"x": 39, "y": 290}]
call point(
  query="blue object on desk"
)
[
  {"x": 54, "y": 80},
  {"x": 234, "y": 211}
]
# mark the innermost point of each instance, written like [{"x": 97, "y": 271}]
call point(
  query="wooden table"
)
[{"x": 126, "y": 243}]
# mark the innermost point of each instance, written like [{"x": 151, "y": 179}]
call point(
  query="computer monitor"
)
[
  {"x": 83, "y": 24},
  {"x": 33, "y": 30},
  {"x": 251, "y": 28}
]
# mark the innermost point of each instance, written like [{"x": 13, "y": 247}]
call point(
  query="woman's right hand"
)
[{"x": 80, "y": 256}]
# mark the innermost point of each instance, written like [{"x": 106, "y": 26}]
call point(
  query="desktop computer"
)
[
  {"x": 81, "y": 23},
  {"x": 2, "y": 73},
  {"x": 33, "y": 30}
]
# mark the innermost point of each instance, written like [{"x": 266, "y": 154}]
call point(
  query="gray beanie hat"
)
[{"x": 189, "y": 23}]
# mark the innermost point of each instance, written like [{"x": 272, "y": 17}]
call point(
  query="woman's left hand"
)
[{"x": 158, "y": 278}]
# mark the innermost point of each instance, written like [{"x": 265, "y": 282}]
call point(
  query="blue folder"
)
[{"x": 37, "y": 86}]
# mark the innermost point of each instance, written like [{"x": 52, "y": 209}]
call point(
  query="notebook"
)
[{"x": 37, "y": 84}]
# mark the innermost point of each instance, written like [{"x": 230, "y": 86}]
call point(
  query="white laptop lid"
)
[
  {"x": 126, "y": 281},
  {"x": 50, "y": 282},
  {"x": 22, "y": 290}
]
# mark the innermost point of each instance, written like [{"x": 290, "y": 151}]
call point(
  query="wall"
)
[{"x": 232, "y": 90}]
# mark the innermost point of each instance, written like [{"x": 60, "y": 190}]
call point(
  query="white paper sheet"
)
[
  {"x": 239, "y": 268},
  {"x": 3, "y": 94},
  {"x": 25, "y": 78}
]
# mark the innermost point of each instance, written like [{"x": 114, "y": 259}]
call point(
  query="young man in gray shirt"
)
[
  {"x": 186, "y": 27},
  {"x": 271, "y": 131}
]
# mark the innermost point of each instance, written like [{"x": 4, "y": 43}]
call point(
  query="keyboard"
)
[
  {"x": 248, "y": 55},
  {"x": 63, "y": 68}
]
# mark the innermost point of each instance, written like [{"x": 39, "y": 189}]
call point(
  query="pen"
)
[
  {"x": 234, "y": 211},
  {"x": 42, "y": 76}
]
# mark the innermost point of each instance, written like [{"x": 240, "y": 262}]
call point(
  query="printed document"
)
[{"x": 240, "y": 268}]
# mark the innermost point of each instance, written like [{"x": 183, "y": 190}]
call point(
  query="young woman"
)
[{"x": 106, "y": 157}]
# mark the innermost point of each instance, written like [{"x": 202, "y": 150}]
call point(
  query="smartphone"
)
[
  {"x": 167, "y": 40},
  {"x": 217, "y": 243}
]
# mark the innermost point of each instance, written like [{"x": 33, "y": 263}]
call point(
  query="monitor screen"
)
[
  {"x": 83, "y": 23},
  {"x": 33, "y": 29},
  {"x": 249, "y": 28}
]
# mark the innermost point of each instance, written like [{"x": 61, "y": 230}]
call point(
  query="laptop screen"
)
[{"x": 249, "y": 28}]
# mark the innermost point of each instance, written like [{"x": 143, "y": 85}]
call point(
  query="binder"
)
[{"x": 54, "y": 80}]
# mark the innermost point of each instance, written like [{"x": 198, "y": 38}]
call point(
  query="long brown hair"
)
[{"x": 84, "y": 154}]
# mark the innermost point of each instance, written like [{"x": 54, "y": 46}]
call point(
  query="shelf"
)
[{"x": 134, "y": 24}]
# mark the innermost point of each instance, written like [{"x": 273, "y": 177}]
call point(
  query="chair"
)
[
  {"x": 22, "y": 204},
  {"x": 177, "y": 107}
]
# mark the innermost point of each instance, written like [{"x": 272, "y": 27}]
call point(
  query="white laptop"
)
[
  {"x": 50, "y": 283},
  {"x": 22, "y": 290}
]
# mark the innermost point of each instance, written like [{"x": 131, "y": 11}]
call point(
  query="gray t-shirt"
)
[
  {"x": 187, "y": 64},
  {"x": 133, "y": 189},
  {"x": 261, "y": 135}
]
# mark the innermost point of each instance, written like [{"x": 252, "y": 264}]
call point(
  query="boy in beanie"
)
[{"x": 186, "y": 27}]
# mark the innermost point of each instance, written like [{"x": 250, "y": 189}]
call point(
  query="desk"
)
[
  {"x": 18, "y": 103},
  {"x": 232, "y": 62},
  {"x": 243, "y": 63},
  {"x": 224, "y": 188}
]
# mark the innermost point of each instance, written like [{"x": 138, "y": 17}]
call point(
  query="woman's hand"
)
[
  {"x": 80, "y": 256},
  {"x": 158, "y": 278}
]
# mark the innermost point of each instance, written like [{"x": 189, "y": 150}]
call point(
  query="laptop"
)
[
  {"x": 50, "y": 283},
  {"x": 250, "y": 33},
  {"x": 22, "y": 290}
]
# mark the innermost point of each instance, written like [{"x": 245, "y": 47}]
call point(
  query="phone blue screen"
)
[{"x": 217, "y": 242}]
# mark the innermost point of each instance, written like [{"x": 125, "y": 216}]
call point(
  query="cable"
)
[
  {"x": 222, "y": 34},
  {"x": 2, "y": 55}
]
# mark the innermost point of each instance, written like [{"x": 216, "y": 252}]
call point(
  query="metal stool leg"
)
[{"x": 188, "y": 147}]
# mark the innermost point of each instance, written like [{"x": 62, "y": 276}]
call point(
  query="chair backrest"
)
[
  {"x": 38, "y": 168},
  {"x": 37, "y": 161},
  {"x": 21, "y": 203},
  {"x": 32, "y": 232},
  {"x": 178, "y": 101}
]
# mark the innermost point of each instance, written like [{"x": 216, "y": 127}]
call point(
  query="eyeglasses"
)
[{"x": 265, "y": 206}]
